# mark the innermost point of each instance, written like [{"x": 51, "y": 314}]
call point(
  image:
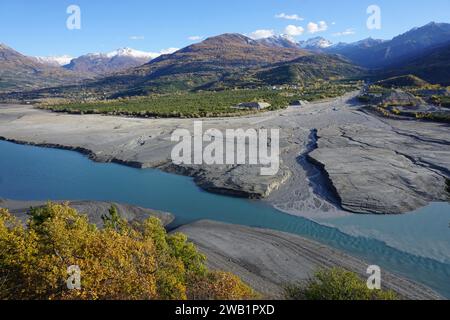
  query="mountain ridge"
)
[
  {"x": 20, "y": 72},
  {"x": 235, "y": 60},
  {"x": 408, "y": 45}
]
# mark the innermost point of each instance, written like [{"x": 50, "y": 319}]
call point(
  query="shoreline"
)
[
  {"x": 145, "y": 143},
  {"x": 269, "y": 260},
  {"x": 93, "y": 209}
]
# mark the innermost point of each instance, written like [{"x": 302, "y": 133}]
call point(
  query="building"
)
[
  {"x": 253, "y": 105},
  {"x": 299, "y": 103}
]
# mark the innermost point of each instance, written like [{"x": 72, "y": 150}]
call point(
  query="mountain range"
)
[
  {"x": 19, "y": 72},
  {"x": 377, "y": 54},
  {"x": 316, "y": 44},
  {"x": 221, "y": 62},
  {"x": 100, "y": 64},
  {"x": 56, "y": 61},
  {"x": 234, "y": 60}
]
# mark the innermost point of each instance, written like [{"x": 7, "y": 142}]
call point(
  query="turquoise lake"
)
[{"x": 415, "y": 245}]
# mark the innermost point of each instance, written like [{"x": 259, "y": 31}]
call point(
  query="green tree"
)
[
  {"x": 336, "y": 284},
  {"x": 112, "y": 220}
]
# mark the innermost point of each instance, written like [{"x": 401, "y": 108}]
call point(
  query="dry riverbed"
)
[
  {"x": 336, "y": 158},
  {"x": 270, "y": 260}
]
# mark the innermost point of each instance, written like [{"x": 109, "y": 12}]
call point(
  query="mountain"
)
[
  {"x": 402, "y": 81},
  {"x": 19, "y": 72},
  {"x": 279, "y": 42},
  {"x": 307, "y": 69},
  {"x": 283, "y": 41},
  {"x": 432, "y": 66},
  {"x": 375, "y": 54},
  {"x": 55, "y": 60},
  {"x": 221, "y": 62},
  {"x": 346, "y": 48},
  {"x": 317, "y": 43},
  {"x": 106, "y": 63},
  {"x": 198, "y": 66}
]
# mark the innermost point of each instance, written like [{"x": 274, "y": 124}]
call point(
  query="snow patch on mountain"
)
[
  {"x": 315, "y": 43},
  {"x": 132, "y": 53},
  {"x": 55, "y": 60}
]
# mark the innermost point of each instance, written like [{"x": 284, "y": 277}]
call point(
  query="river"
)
[{"x": 415, "y": 245}]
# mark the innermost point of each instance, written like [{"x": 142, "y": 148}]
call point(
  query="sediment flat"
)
[
  {"x": 269, "y": 260},
  {"x": 335, "y": 157}
]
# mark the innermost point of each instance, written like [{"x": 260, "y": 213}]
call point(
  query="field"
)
[{"x": 201, "y": 104}]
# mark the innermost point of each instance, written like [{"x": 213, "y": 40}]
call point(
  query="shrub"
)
[
  {"x": 137, "y": 261},
  {"x": 336, "y": 284},
  {"x": 364, "y": 99},
  {"x": 219, "y": 286}
]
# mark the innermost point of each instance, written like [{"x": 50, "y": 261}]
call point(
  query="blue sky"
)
[{"x": 39, "y": 27}]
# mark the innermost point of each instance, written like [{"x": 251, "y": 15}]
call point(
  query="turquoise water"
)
[
  {"x": 32, "y": 173},
  {"x": 424, "y": 232}
]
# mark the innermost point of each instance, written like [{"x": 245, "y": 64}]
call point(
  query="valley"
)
[
  {"x": 364, "y": 163},
  {"x": 401, "y": 165}
]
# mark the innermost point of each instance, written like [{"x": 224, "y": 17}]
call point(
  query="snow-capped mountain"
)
[
  {"x": 55, "y": 60},
  {"x": 114, "y": 61},
  {"x": 284, "y": 41},
  {"x": 317, "y": 43},
  {"x": 128, "y": 52},
  {"x": 21, "y": 72},
  {"x": 280, "y": 41}
]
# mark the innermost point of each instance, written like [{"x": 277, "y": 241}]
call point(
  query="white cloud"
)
[
  {"x": 347, "y": 32},
  {"x": 317, "y": 27},
  {"x": 289, "y": 17},
  {"x": 293, "y": 31},
  {"x": 195, "y": 38},
  {"x": 261, "y": 34},
  {"x": 169, "y": 50},
  {"x": 137, "y": 37}
]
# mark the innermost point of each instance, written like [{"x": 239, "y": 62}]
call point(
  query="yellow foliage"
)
[
  {"x": 220, "y": 286},
  {"x": 121, "y": 261}
]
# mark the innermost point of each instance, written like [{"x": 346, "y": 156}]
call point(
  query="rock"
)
[
  {"x": 373, "y": 172},
  {"x": 241, "y": 180}
]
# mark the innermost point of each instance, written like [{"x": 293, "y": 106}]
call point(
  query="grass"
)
[{"x": 198, "y": 104}]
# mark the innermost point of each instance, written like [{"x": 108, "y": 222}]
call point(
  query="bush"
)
[
  {"x": 336, "y": 284},
  {"x": 138, "y": 261},
  {"x": 364, "y": 99}
]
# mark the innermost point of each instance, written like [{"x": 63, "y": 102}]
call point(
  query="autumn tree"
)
[{"x": 120, "y": 261}]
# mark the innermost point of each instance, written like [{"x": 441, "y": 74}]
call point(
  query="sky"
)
[{"x": 39, "y": 28}]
